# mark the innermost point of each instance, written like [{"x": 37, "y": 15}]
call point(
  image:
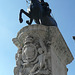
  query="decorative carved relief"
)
[
  {"x": 32, "y": 58},
  {"x": 40, "y": 50}
]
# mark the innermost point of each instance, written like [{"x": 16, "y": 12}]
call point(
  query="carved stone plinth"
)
[{"x": 41, "y": 51}]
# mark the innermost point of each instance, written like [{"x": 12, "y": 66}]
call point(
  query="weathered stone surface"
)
[{"x": 41, "y": 50}]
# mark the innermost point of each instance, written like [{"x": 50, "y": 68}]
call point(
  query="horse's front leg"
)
[
  {"x": 29, "y": 22},
  {"x": 20, "y": 15}
]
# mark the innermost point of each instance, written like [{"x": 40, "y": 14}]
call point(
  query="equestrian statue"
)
[{"x": 39, "y": 11}]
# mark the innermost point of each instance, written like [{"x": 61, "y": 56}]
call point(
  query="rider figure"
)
[{"x": 45, "y": 6}]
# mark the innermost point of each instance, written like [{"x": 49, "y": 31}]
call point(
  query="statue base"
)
[{"x": 41, "y": 51}]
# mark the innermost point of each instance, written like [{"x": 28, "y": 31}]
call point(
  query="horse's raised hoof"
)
[
  {"x": 21, "y": 20},
  {"x": 28, "y": 22}
]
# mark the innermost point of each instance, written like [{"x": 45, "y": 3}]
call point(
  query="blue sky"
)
[{"x": 62, "y": 10}]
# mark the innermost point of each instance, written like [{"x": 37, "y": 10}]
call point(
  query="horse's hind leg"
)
[{"x": 37, "y": 21}]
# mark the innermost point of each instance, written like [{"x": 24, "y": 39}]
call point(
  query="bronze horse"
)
[{"x": 39, "y": 12}]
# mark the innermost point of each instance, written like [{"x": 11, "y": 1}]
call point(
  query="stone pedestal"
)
[{"x": 41, "y": 51}]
